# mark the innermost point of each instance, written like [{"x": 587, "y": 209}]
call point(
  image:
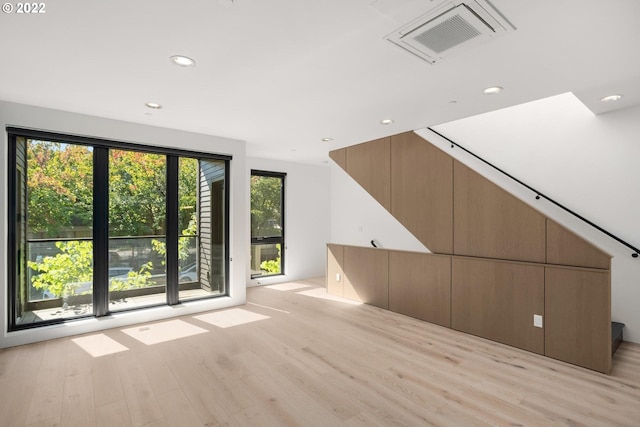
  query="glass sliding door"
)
[
  {"x": 98, "y": 226},
  {"x": 52, "y": 202},
  {"x": 267, "y": 223},
  {"x": 203, "y": 239},
  {"x": 137, "y": 229}
]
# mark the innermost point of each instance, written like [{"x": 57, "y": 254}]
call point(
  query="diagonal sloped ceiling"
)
[{"x": 283, "y": 74}]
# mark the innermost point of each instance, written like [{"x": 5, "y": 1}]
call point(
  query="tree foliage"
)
[
  {"x": 60, "y": 187},
  {"x": 137, "y": 184},
  {"x": 62, "y": 274},
  {"x": 266, "y": 207},
  {"x": 160, "y": 246},
  {"x": 71, "y": 271},
  {"x": 60, "y": 204}
]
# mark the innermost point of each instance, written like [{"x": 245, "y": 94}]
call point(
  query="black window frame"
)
[
  {"x": 273, "y": 240},
  {"x": 100, "y": 238}
]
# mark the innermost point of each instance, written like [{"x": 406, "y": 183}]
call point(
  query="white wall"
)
[
  {"x": 588, "y": 163},
  {"x": 307, "y": 197},
  {"x": 77, "y": 124}
]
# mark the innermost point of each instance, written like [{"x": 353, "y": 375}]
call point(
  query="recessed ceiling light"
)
[
  {"x": 153, "y": 105},
  {"x": 386, "y": 121},
  {"x": 492, "y": 90},
  {"x": 183, "y": 61},
  {"x": 327, "y": 139},
  {"x": 611, "y": 98}
]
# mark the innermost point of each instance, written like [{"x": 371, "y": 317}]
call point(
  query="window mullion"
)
[
  {"x": 101, "y": 231},
  {"x": 172, "y": 213}
]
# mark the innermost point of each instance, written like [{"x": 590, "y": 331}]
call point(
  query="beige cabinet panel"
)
[
  {"x": 420, "y": 286},
  {"x": 422, "y": 190},
  {"x": 497, "y": 300},
  {"x": 335, "y": 270},
  {"x": 369, "y": 165},
  {"x": 578, "y": 317},
  {"x": 491, "y": 223},
  {"x": 340, "y": 157},
  {"x": 565, "y": 248},
  {"x": 366, "y": 272}
]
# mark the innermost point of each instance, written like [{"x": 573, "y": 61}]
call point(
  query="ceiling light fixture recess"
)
[
  {"x": 327, "y": 139},
  {"x": 153, "y": 105},
  {"x": 492, "y": 90},
  {"x": 386, "y": 121},
  {"x": 183, "y": 61},
  {"x": 611, "y": 98}
]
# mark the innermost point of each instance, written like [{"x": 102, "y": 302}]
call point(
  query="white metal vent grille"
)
[
  {"x": 449, "y": 27},
  {"x": 447, "y": 34}
]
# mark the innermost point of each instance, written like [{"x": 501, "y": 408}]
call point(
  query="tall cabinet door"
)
[
  {"x": 420, "y": 286},
  {"x": 369, "y": 165},
  {"x": 491, "y": 223},
  {"x": 497, "y": 300},
  {"x": 335, "y": 270},
  {"x": 366, "y": 272},
  {"x": 578, "y": 317},
  {"x": 422, "y": 190}
]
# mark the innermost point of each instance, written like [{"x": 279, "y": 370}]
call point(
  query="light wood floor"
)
[{"x": 289, "y": 358}]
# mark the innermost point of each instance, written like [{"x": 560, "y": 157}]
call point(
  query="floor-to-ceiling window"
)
[
  {"x": 267, "y": 223},
  {"x": 99, "y": 226}
]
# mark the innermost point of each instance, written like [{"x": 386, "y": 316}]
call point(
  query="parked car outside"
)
[{"x": 189, "y": 274}]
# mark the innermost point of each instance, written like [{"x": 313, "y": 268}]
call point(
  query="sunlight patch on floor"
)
[
  {"x": 231, "y": 317},
  {"x": 291, "y": 286},
  {"x": 268, "y": 308},
  {"x": 322, "y": 294},
  {"x": 162, "y": 332},
  {"x": 99, "y": 345}
]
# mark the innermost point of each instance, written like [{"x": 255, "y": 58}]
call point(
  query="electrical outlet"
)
[
  {"x": 537, "y": 321},
  {"x": 338, "y": 277}
]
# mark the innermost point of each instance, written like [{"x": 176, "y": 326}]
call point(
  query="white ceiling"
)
[{"x": 282, "y": 74}]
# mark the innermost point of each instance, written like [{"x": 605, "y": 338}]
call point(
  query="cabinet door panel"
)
[
  {"x": 335, "y": 269},
  {"x": 578, "y": 317},
  {"x": 566, "y": 248},
  {"x": 491, "y": 223},
  {"x": 420, "y": 286},
  {"x": 422, "y": 190},
  {"x": 369, "y": 165},
  {"x": 366, "y": 274},
  {"x": 497, "y": 300},
  {"x": 340, "y": 157}
]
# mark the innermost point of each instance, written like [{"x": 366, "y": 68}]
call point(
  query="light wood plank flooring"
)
[{"x": 291, "y": 358}]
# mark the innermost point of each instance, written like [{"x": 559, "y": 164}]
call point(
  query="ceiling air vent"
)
[{"x": 449, "y": 28}]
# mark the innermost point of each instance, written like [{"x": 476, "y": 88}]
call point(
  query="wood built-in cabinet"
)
[
  {"x": 496, "y": 260},
  {"x": 488, "y": 298}
]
